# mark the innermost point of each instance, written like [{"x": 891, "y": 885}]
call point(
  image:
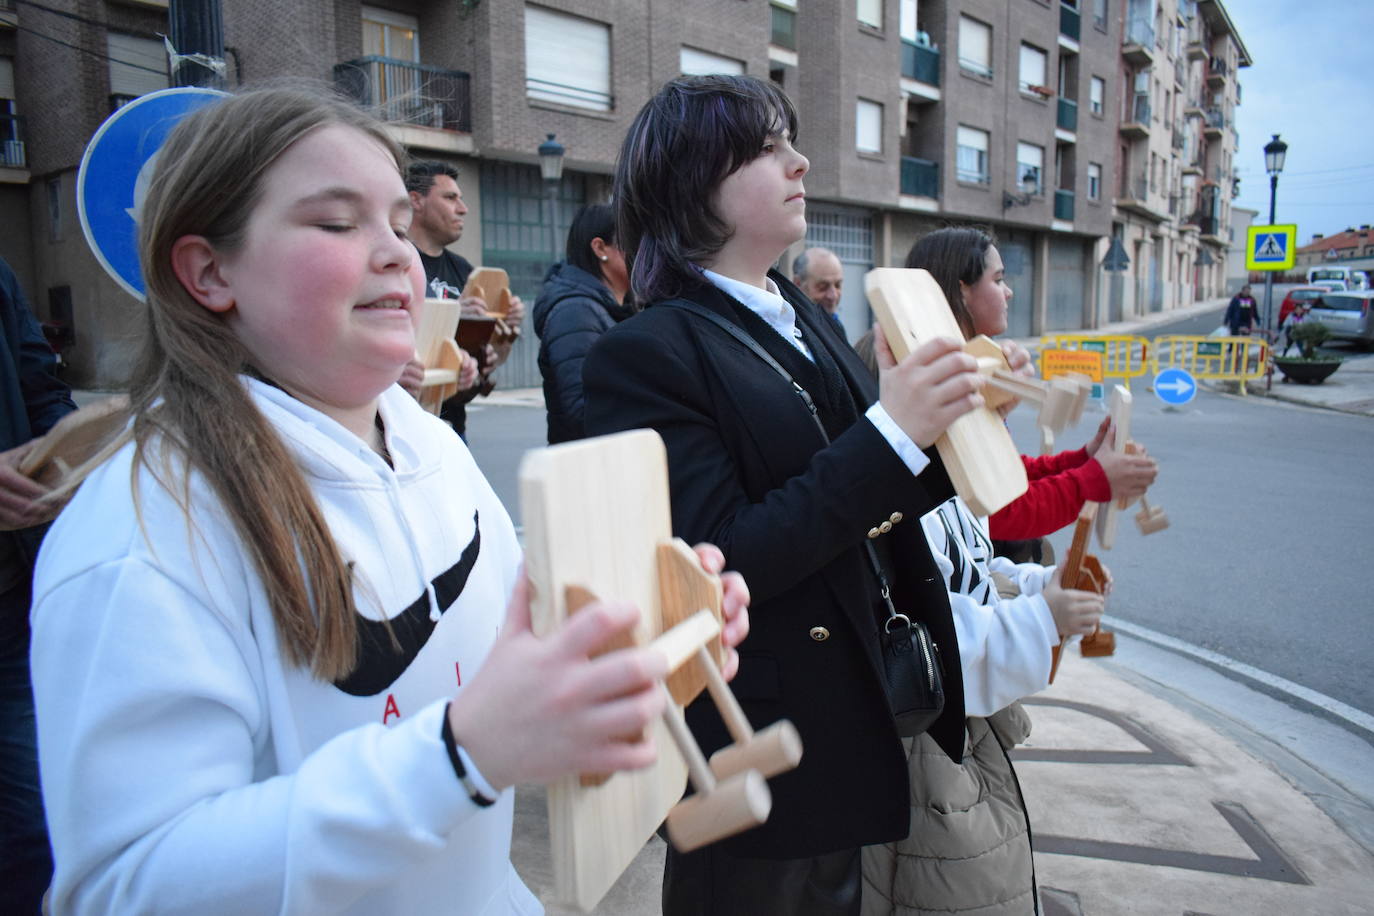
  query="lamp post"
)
[
  {"x": 1274, "y": 152},
  {"x": 551, "y": 168}
]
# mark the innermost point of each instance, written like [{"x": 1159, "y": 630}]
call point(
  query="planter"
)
[{"x": 1305, "y": 371}]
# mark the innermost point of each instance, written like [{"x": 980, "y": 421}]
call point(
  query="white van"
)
[{"x": 1324, "y": 276}]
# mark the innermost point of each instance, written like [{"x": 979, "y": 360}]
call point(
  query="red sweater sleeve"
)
[
  {"x": 1045, "y": 465},
  {"x": 1053, "y": 499}
]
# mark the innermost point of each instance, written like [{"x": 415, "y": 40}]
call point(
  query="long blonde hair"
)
[{"x": 186, "y": 392}]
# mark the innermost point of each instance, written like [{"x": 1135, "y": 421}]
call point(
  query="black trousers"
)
[{"x": 710, "y": 882}]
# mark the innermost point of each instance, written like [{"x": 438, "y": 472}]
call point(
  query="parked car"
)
[
  {"x": 1346, "y": 315},
  {"x": 1299, "y": 294}
]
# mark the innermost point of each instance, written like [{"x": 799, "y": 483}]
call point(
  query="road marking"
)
[{"x": 1306, "y": 694}]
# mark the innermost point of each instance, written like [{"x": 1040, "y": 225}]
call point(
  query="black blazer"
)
[{"x": 751, "y": 473}]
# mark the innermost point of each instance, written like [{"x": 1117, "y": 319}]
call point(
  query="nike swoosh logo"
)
[{"x": 384, "y": 656}]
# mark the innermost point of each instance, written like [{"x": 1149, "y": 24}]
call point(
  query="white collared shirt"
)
[{"x": 769, "y": 305}]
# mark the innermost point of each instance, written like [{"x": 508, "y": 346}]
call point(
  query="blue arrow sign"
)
[
  {"x": 116, "y": 170},
  {"x": 1175, "y": 386}
]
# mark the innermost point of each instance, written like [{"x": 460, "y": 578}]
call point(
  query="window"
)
[
  {"x": 871, "y": 13},
  {"x": 1033, "y": 64},
  {"x": 1097, "y": 90},
  {"x": 1100, "y": 14},
  {"x": 908, "y": 28},
  {"x": 1030, "y": 168},
  {"x": 975, "y": 46},
  {"x": 1094, "y": 181},
  {"x": 702, "y": 63},
  {"x": 567, "y": 59},
  {"x": 972, "y": 155},
  {"x": 784, "y": 24},
  {"x": 388, "y": 34},
  {"x": 138, "y": 66},
  {"x": 868, "y": 127}
]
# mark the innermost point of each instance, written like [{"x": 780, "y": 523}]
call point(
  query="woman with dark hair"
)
[
  {"x": 582, "y": 298},
  {"x": 967, "y": 265},
  {"x": 792, "y": 476}
]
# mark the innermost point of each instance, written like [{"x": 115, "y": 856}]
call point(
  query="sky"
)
[{"x": 1311, "y": 83}]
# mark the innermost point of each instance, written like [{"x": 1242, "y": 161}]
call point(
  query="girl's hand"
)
[
  {"x": 934, "y": 386},
  {"x": 1130, "y": 475},
  {"x": 1018, "y": 358},
  {"x": 1102, "y": 429},
  {"x": 734, "y": 605},
  {"x": 1075, "y": 612},
  {"x": 540, "y": 708}
]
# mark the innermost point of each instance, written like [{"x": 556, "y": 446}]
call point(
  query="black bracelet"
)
[{"x": 451, "y": 745}]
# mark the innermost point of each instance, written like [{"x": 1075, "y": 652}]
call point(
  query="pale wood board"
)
[
  {"x": 594, "y": 512},
  {"x": 1120, "y": 409},
  {"x": 438, "y": 323},
  {"x": 80, "y": 437},
  {"x": 977, "y": 450},
  {"x": 492, "y": 286}
]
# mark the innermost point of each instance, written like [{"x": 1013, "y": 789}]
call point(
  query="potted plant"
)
[{"x": 1309, "y": 367}]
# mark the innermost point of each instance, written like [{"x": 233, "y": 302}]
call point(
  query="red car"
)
[{"x": 1299, "y": 294}]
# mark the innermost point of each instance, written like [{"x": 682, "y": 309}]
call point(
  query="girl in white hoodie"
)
[{"x": 271, "y": 669}]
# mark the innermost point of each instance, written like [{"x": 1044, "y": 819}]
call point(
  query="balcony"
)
[
  {"x": 1137, "y": 46},
  {"x": 920, "y": 177},
  {"x": 408, "y": 92},
  {"x": 1070, "y": 22},
  {"x": 1215, "y": 124},
  {"x": 1198, "y": 39},
  {"x": 1068, "y": 114},
  {"x": 920, "y": 63},
  {"x": 1193, "y": 166},
  {"x": 1134, "y": 195},
  {"x": 13, "y": 152},
  {"x": 1136, "y": 123},
  {"x": 1216, "y": 72},
  {"x": 1063, "y": 205},
  {"x": 1179, "y": 140}
]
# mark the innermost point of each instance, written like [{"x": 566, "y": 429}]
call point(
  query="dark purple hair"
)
[{"x": 684, "y": 142}]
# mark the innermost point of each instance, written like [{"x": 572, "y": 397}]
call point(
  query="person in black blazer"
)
[{"x": 709, "y": 194}]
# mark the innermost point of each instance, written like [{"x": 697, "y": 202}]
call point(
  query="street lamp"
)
[
  {"x": 551, "y": 169},
  {"x": 1274, "y": 152}
]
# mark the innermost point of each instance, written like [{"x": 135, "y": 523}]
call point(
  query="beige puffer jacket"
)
[{"x": 969, "y": 847}]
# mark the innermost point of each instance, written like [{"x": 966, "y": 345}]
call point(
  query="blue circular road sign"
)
[
  {"x": 1175, "y": 386},
  {"x": 115, "y": 172}
]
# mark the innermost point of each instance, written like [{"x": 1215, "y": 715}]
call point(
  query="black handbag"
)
[{"x": 911, "y": 659}]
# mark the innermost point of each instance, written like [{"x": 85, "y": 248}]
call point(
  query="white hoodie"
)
[
  {"x": 1004, "y": 644},
  {"x": 188, "y": 767}
]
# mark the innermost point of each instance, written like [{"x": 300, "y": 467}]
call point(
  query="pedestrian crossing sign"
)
[{"x": 1271, "y": 247}]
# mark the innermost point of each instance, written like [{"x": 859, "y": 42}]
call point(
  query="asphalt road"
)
[{"x": 1271, "y": 524}]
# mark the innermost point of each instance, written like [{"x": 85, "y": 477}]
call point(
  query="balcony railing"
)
[
  {"x": 1134, "y": 187},
  {"x": 920, "y": 177},
  {"x": 1069, "y": 21},
  {"x": 1140, "y": 31},
  {"x": 13, "y": 153},
  {"x": 920, "y": 63},
  {"x": 409, "y": 92},
  {"x": 1068, "y": 114},
  {"x": 1216, "y": 67},
  {"x": 1216, "y": 119},
  {"x": 1139, "y": 112},
  {"x": 1063, "y": 205}
]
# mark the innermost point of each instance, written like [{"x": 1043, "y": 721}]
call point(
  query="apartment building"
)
[
  {"x": 1176, "y": 175},
  {"x": 914, "y": 113}
]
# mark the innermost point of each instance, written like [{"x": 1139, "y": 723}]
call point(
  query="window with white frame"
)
[
  {"x": 868, "y": 127},
  {"x": 1034, "y": 64},
  {"x": 975, "y": 46},
  {"x": 567, "y": 59},
  {"x": 907, "y": 26},
  {"x": 971, "y": 154},
  {"x": 870, "y": 13},
  {"x": 388, "y": 34},
  {"x": 1094, "y": 181},
  {"x": 138, "y": 66},
  {"x": 1030, "y": 168},
  {"x": 1097, "y": 92},
  {"x": 703, "y": 63}
]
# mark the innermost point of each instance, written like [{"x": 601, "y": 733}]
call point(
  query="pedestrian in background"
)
[
  {"x": 582, "y": 298},
  {"x": 1241, "y": 312},
  {"x": 35, "y": 399}
]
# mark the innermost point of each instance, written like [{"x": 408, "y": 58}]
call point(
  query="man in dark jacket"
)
[{"x": 35, "y": 399}]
